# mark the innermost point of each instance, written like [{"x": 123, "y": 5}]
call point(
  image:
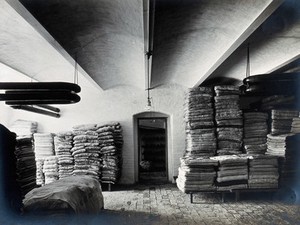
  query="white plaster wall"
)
[{"x": 116, "y": 104}]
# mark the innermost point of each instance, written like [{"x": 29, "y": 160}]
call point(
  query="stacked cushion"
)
[
  {"x": 63, "y": 143},
  {"x": 196, "y": 174},
  {"x": 111, "y": 142},
  {"x": 86, "y": 151},
  {"x": 229, "y": 119}
]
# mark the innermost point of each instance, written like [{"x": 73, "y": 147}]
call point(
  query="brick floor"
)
[{"x": 165, "y": 204}]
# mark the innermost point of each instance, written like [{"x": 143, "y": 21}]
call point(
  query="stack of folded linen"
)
[
  {"x": 63, "y": 143},
  {"x": 111, "y": 142},
  {"x": 40, "y": 178},
  {"x": 255, "y": 132},
  {"x": 229, "y": 119},
  {"x": 196, "y": 174},
  {"x": 276, "y": 145},
  {"x": 229, "y": 140},
  {"x": 86, "y": 151},
  {"x": 263, "y": 171},
  {"x": 289, "y": 165},
  {"x": 199, "y": 118},
  {"x": 282, "y": 121},
  {"x": 295, "y": 125},
  {"x": 50, "y": 169},
  {"x": 24, "y": 128},
  {"x": 232, "y": 172},
  {"x": 25, "y": 164},
  {"x": 43, "y": 147}
]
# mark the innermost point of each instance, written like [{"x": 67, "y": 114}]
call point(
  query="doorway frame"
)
[
  {"x": 169, "y": 149},
  {"x": 166, "y": 144}
]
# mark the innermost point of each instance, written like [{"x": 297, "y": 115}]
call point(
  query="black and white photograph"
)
[{"x": 150, "y": 112}]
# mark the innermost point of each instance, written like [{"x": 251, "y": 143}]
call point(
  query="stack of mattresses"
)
[
  {"x": 229, "y": 120},
  {"x": 289, "y": 165},
  {"x": 295, "y": 129},
  {"x": 255, "y": 132},
  {"x": 263, "y": 171},
  {"x": 196, "y": 174},
  {"x": 199, "y": 118},
  {"x": 24, "y": 128},
  {"x": 111, "y": 142},
  {"x": 86, "y": 151},
  {"x": 282, "y": 121},
  {"x": 232, "y": 172},
  {"x": 276, "y": 145},
  {"x": 50, "y": 169},
  {"x": 43, "y": 148},
  {"x": 25, "y": 164},
  {"x": 63, "y": 143}
]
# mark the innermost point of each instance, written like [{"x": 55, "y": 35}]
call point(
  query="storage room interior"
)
[{"x": 168, "y": 92}]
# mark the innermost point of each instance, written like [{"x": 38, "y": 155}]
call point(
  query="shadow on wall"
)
[
  {"x": 174, "y": 23},
  {"x": 221, "y": 81}
]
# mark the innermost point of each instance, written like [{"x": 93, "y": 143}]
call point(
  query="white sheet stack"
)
[
  {"x": 111, "y": 141},
  {"x": 63, "y": 143},
  {"x": 43, "y": 148},
  {"x": 50, "y": 169},
  {"x": 86, "y": 151},
  {"x": 24, "y": 128}
]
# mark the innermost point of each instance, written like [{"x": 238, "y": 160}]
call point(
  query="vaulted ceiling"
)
[{"x": 194, "y": 41}]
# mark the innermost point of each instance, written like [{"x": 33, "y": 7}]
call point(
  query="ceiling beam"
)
[
  {"x": 23, "y": 12},
  {"x": 287, "y": 65},
  {"x": 255, "y": 24}
]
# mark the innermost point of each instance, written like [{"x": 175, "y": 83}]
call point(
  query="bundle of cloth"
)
[
  {"x": 25, "y": 164},
  {"x": 63, "y": 143},
  {"x": 255, "y": 132},
  {"x": 199, "y": 119},
  {"x": 282, "y": 120},
  {"x": 43, "y": 148},
  {"x": 229, "y": 119},
  {"x": 263, "y": 171},
  {"x": 276, "y": 145},
  {"x": 69, "y": 196},
  {"x": 50, "y": 169},
  {"x": 196, "y": 174},
  {"x": 86, "y": 151},
  {"x": 111, "y": 142},
  {"x": 24, "y": 128},
  {"x": 229, "y": 140},
  {"x": 295, "y": 128},
  {"x": 289, "y": 164},
  {"x": 232, "y": 172}
]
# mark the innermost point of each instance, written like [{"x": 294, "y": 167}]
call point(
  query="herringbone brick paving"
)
[{"x": 165, "y": 204}]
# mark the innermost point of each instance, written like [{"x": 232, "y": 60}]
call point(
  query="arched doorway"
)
[{"x": 151, "y": 147}]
